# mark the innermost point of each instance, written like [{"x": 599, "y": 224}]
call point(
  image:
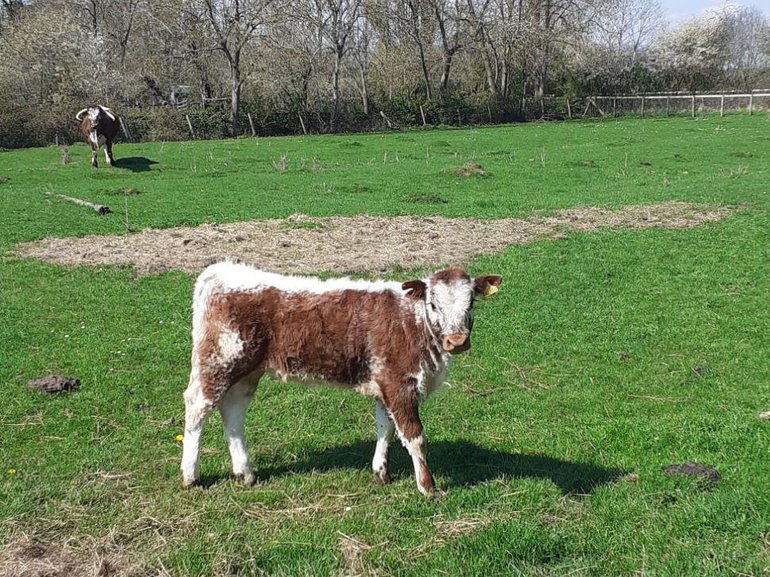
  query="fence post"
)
[
  {"x": 126, "y": 132},
  {"x": 751, "y": 104},
  {"x": 189, "y": 124},
  {"x": 668, "y": 105},
  {"x": 722, "y": 106},
  {"x": 614, "y": 106},
  {"x": 692, "y": 107},
  {"x": 642, "y": 105},
  {"x": 569, "y": 110}
]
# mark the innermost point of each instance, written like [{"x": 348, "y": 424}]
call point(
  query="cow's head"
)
[
  {"x": 448, "y": 298},
  {"x": 94, "y": 113}
]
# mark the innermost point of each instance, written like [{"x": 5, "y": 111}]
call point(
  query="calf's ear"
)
[
  {"x": 415, "y": 289},
  {"x": 487, "y": 285}
]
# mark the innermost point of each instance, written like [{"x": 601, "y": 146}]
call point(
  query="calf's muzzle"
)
[{"x": 456, "y": 343}]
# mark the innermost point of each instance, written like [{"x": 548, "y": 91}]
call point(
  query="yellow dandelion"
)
[
  {"x": 11, "y": 471},
  {"x": 179, "y": 438}
]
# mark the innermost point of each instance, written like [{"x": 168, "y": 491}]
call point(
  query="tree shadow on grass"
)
[
  {"x": 461, "y": 463},
  {"x": 134, "y": 163}
]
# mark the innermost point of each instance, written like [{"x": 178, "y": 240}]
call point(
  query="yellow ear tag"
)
[{"x": 490, "y": 290}]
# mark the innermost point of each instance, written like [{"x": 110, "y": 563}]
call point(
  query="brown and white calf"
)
[
  {"x": 99, "y": 124},
  {"x": 388, "y": 340}
]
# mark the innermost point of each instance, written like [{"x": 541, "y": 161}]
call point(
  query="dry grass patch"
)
[
  {"x": 342, "y": 245},
  {"x": 41, "y": 556},
  {"x": 470, "y": 169}
]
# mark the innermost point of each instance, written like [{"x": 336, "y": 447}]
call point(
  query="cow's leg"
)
[
  {"x": 108, "y": 153},
  {"x": 385, "y": 431},
  {"x": 197, "y": 409},
  {"x": 232, "y": 407},
  {"x": 403, "y": 410},
  {"x": 93, "y": 140}
]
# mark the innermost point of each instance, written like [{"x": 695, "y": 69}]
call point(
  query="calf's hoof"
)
[
  {"x": 189, "y": 483},
  {"x": 247, "y": 479},
  {"x": 381, "y": 478}
]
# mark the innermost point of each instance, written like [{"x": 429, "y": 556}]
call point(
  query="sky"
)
[{"x": 679, "y": 10}]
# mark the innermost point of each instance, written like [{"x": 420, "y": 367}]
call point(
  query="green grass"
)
[{"x": 604, "y": 358}]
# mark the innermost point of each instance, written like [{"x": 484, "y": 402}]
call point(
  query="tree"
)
[
  {"x": 623, "y": 30},
  {"x": 233, "y": 25},
  {"x": 341, "y": 19},
  {"x": 450, "y": 22},
  {"x": 748, "y": 47},
  {"x": 692, "y": 55}
]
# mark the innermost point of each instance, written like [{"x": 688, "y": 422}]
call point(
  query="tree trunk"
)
[
  {"x": 335, "y": 89},
  {"x": 425, "y": 74},
  {"x": 235, "y": 94},
  {"x": 364, "y": 90}
]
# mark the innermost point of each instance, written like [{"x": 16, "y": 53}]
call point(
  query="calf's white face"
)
[{"x": 448, "y": 299}]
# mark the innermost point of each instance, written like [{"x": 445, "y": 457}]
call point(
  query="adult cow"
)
[
  {"x": 388, "y": 340},
  {"x": 99, "y": 124}
]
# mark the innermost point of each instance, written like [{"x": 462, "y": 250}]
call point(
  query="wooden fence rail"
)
[{"x": 645, "y": 103}]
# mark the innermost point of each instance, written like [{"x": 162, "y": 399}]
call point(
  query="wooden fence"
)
[{"x": 656, "y": 104}]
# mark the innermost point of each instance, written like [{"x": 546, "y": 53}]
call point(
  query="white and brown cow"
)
[
  {"x": 99, "y": 124},
  {"x": 388, "y": 340}
]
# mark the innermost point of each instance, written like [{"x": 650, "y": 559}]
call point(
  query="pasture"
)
[{"x": 610, "y": 352}]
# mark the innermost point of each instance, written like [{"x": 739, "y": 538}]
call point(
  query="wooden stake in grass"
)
[
  {"x": 125, "y": 204},
  {"x": 190, "y": 126},
  {"x": 386, "y": 119},
  {"x": 98, "y": 208}
]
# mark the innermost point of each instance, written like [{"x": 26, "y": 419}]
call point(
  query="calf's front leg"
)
[{"x": 402, "y": 404}]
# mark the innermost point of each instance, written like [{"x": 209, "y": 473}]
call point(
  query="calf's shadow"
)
[
  {"x": 134, "y": 163},
  {"x": 458, "y": 463}
]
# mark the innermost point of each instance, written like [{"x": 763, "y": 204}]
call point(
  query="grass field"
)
[{"x": 605, "y": 357}]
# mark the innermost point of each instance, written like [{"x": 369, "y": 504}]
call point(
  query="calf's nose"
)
[{"x": 456, "y": 343}]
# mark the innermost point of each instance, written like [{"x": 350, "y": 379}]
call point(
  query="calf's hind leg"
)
[
  {"x": 232, "y": 407},
  {"x": 385, "y": 431},
  {"x": 197, "y": 410}
]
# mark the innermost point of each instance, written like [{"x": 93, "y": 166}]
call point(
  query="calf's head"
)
[{"x": 448, "y": 298}]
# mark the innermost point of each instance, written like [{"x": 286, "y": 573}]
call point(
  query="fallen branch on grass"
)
[{"x": 99, "y": 208}]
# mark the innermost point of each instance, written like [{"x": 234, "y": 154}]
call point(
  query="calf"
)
[
  {"x": 388, "y": 340},
  {"x": 98, "y": 123}
]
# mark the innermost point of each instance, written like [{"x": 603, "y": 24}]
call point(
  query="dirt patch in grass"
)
[
  {"x": 343, "y": 245},
  {"x": 34, "y": 557},
  {"x": 470, "y": 169}
]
